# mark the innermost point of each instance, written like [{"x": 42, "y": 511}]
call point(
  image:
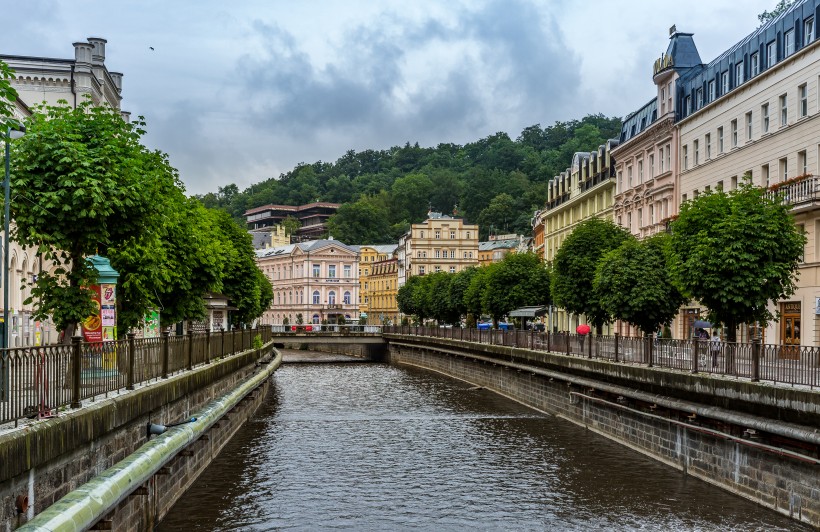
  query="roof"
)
[
  {"x": 308, "y": 246},
  {"x": 497, "y": 244},
  {"x": 637, "y": 122},
  {"x": 527, "y": 312},
  {"x": 292, "y": 208}
]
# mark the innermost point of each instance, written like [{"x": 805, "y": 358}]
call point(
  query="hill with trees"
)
[{"x": 496, "y": 182}]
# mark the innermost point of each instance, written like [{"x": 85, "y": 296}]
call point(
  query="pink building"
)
[{"x": 317, "y": 279}]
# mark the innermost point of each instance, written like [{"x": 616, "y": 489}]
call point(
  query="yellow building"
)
[
  {"x": 584, "y": 191},
  {"x": 441, "y": 243},
  {"x": 369, "y": 256},
  {"x": 380, "y": 297},
  {"x": 497, "y": 247}
]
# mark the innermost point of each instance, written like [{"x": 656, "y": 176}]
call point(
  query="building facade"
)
[
  {"x": 440, "y": 243},
  {"x": 313, "y": 217},
  {"x": 39, "y": 80},
  {"x": 368, "y": 257},
  {"x": 755, "y": 110},
  {"x": 380, "y": 288},
  {"x": 316, "y": 279},
  {"x": 497, "y": 247}
]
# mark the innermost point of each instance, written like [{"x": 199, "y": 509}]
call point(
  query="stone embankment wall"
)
[
  {"x": 372, "y": 352},
  {"x": 771, "y": 462},
  {"x": 49, "y": 459}
]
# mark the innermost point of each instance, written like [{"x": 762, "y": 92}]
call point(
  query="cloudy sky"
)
[{"x": 240, "y": 91}]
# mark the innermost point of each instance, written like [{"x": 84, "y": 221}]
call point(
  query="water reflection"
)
[{"x": 375, "y": 447}]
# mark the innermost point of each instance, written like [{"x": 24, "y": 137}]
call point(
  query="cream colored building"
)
[
  {"x": 38, "y": 80},
  {"x": 380, "y": 288},
  {"x": 585, "y": 190},
  {"x": 369, "y": 256},
  {"x": 755, "y": 109},
  {"x": 440, "y": 243}
]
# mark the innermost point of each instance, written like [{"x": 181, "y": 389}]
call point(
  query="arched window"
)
[
  {"x": 316, "y": 297},
  {"x": 316, "y": 318},
  {"x": 347, "y": 298},
  {"x": 331, "y": 298}
]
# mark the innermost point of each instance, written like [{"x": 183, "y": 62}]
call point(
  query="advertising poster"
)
[
  {"x": 151, "y": 328},
  {"x": 92, "y": 325}
]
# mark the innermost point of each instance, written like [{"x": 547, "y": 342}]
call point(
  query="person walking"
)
[{"x": 714, "y": 346}]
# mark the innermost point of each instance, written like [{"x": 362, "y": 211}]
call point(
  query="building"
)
[
  {"x": 403, "y": 253},
  {"x": 440, "y": 243},
  {"x": 537, "y": 242},
  {"x": 497, "y": 247},
  {"x": 40, "y": 80},
  {"x": 368, "y": 257},
  {"x": 315, "y": 279},
  {"x": 313, "y": 217},
  {"x": 583, "y": 191},
  {"x": 380, "y": 288},
  {"x": 754, "y": 110},
  {"x": 270, "y": 237}
]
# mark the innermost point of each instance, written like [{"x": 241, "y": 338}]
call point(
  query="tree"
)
[
  {"x": 411, "y": 196},
  {"x": 7, "y": 93},
  {"x": 473, "y": 293},
  {"x": 458, "y": 287},
  {"x": 83, "y": 183},
  {"x": 634, "y": 284},
  {"x": 410, "y": 298},
  {"x": 438, "y": 290},
  {"x": 574, "y": 268},
  {"x": 521, "y": 279},
  {"x": 362, "y": 222},
  {"x": 779, "y": 9},
  {"x": 736, "y": 253},
  {"x": 498, "y": 215}
]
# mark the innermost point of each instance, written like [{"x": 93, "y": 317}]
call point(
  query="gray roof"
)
[
  {"x": 497, "y": 244},
  {"x": 308, "y": 246}
]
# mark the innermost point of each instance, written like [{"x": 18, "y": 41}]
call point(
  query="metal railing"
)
[
  {"x": 325, "y": 328},
  {"x": 39, "y": 381},
  {"x": 787, "y": 364}
]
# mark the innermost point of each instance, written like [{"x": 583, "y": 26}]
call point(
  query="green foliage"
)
[
  {"x": 7, "y": 93},
  {"x": 736, "y": 253},
  {"x": 521, "y": 279},
  {"x": 780, "y": 8},
  {"x": 285, "y": 321},
  {"x": 633, "y": 283},
  {"x": 257, "y": 342},
  {"x": 574, "y": 267},
  {"x": 492, "y": 181}
]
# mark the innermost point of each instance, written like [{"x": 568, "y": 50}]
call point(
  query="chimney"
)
[
  {"x": 117, "y": 77},
  {"x": 98, "y": 56},
  {"x": 82, "y": 52}
]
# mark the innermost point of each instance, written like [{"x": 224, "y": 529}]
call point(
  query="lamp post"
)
[{"x": 11, "y": 133}]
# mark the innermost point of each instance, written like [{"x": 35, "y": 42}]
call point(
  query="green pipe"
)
[{"x": 87, "y": 504}]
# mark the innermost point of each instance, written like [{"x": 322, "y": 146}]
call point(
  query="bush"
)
[{"x": 257, "y": 342}]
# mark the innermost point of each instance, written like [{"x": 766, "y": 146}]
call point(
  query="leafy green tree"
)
[
  {"x": 291, "y": 225},
  {"x": 474, "y": 292},
  {"x": 521, "y": 279},
  {"x": 634, "y": 283},
  {"x": 438, "y": 290},
  {"x": 780, "y": 8},
  {"x": 7, "y": 93},
  {"x": 736, "y": 253},
  {"x": 411, "y": 196},
  {"x": 573, "y": 269},
  {"x": 362, "y": 222},
  {"x": 84, "y": 183},
  {"x": 498, "y": 215},
  {"x": 458, "y": 287},
  {"x": 409, "y": 298}
]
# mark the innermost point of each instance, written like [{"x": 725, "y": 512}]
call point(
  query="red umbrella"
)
[{"x": 582, "y": 329}]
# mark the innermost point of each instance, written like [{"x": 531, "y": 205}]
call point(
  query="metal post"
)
[
  {"x": 756, "y": 359},
  {"x": 222, "y": 333},
  {"x": 76, "y": 364},
  {"x": 616, "y": 346},
  {"x": 568, "y": 340},
  {"x": 6, "y": 191},
  {"x": 649, "y": 345},
  {"x": 132, "y": 354},
  {"x": 695, "y": 355},
  {"x": 166, "y": 334},
  {"x": 589, "y": 347},
  {"x": 190, "y": 349},
  {"x": 208, "y": 346}
]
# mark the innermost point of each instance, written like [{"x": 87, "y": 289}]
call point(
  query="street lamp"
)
[{"x": 11, "y": 133}]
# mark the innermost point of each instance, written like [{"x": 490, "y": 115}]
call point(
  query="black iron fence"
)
[
  {"x": 38, "y": 381},
  {"x": 789, "y": 364}
]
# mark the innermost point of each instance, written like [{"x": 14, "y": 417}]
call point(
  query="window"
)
[
  {"x": 640, "y": 218},
  {"x": 438, "y": 269},
  {"x": 784, "y": 110},
  {"x": 720, "y": 140},
  {"x": 755, "y": 66},
  {"x": 421, "y": 270},
  {"x": 452, "y": 235},
  {"x": 803, "y": 96},
  {"x": 452, "y": 269},
  {"x": 734, "y": 182},
  {"x": 347, "y": 271},
  {"x": 748, "y": 126},
  {"x": 316, "y": 297},
  {"x": 719, "y": 186},
  {"x": 688, "y": 105},
  {"x": 331, "y": 271},
  {"x": 468, "y": 235},
  {"x": 331, "y": 298},
  {"x": 764, "y": 175},
  {"x": 808, "y": 31},
  {"x": 696, "y": 150},
  {"x": 651, "y": 165},
  {"x": 316, "y": 270},
  {"x": 771, "y": 54},
  {"x": 438, "y": 254},
  {"x": 629, "y": 221},
  {"x": 784, "y": 169},
  {"x": 651, "y": 214},
  {"x": 660, "y": 161},
  {"x": 452, "y": 253},
  {"x": 734, "y": 133},
  {"x": 802, "y": 229},
  {"x": 802, "y": 165},
  {"x": 724, "y": 83},
  {"x": 683, "y": 198},
  {"x": 640, "y": 172},
  {"x": 629, "y": 176},
  {"x": 698, "y": 98},
  {"x": 465, "y": 254},
  {"x": 663, "y": 101},
  {"x": 708, "y": 145},
  {"x": 788, "y": 43},
  {"x": 764, "y": 118},
  {"x": 712, "y": 94},
  {"x": 738, "y": 74},
  {"x": 685, "y": 157},
  {"x": 438, "y": 234},
  {"x": 668, "y": 156}
]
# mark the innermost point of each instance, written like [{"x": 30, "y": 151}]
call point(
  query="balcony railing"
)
[{"x": 800, "y": 192}]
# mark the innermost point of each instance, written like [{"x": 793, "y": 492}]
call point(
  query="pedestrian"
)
[{"x": 714, "y": 346}]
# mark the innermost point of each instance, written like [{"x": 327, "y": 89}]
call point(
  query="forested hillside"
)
[{"x": 496, "y": 182}]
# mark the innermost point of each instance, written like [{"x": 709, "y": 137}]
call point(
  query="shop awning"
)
[{"x": 528, "y": 312}]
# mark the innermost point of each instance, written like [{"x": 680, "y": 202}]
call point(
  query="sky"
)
[{"x": 242, "y": 91}]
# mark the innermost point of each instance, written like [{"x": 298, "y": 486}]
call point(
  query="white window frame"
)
[
  {"x": 784, "y": 110},
  {"x": 720, "y": 139},
  {"x": 755, "y": 65},
  {"x": 712, "y": 94},
  {"x": 808, "y": 30},
  {"x": 724, "y": 82},
  {"x": 803, "y": 96},
  {"x": 771, "y": 54},
  {"x": 739, "y": 74},
  {"x": 788, "y": 43}
]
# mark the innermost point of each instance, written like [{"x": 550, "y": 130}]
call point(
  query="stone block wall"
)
[{"x": 710, "y": 452}]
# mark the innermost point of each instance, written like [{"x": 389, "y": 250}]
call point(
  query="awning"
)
[{"x": 528, "y": 312}]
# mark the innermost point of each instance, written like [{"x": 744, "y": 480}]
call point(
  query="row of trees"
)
[
  {"x": 519, "y": 280},
  {"x": 84, "y": 184},
  {"x": 496, "y": 182},
  {"x": 733, "y": 252}
]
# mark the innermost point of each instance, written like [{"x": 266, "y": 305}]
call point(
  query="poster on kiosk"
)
[{"x": 101, "y": 326}]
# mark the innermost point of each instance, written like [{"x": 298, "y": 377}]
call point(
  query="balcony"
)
[{"x": 802, "y": 192}]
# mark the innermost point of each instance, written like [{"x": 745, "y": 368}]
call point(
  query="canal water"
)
[{"x": 377, "y": 447}]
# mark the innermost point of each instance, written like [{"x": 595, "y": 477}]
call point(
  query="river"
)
[{"x": 378, "y": 447}]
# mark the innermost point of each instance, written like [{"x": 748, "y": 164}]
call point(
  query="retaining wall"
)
[
  {"x": 775, "y": 469},
  {"x": 49, "y": 459}
]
